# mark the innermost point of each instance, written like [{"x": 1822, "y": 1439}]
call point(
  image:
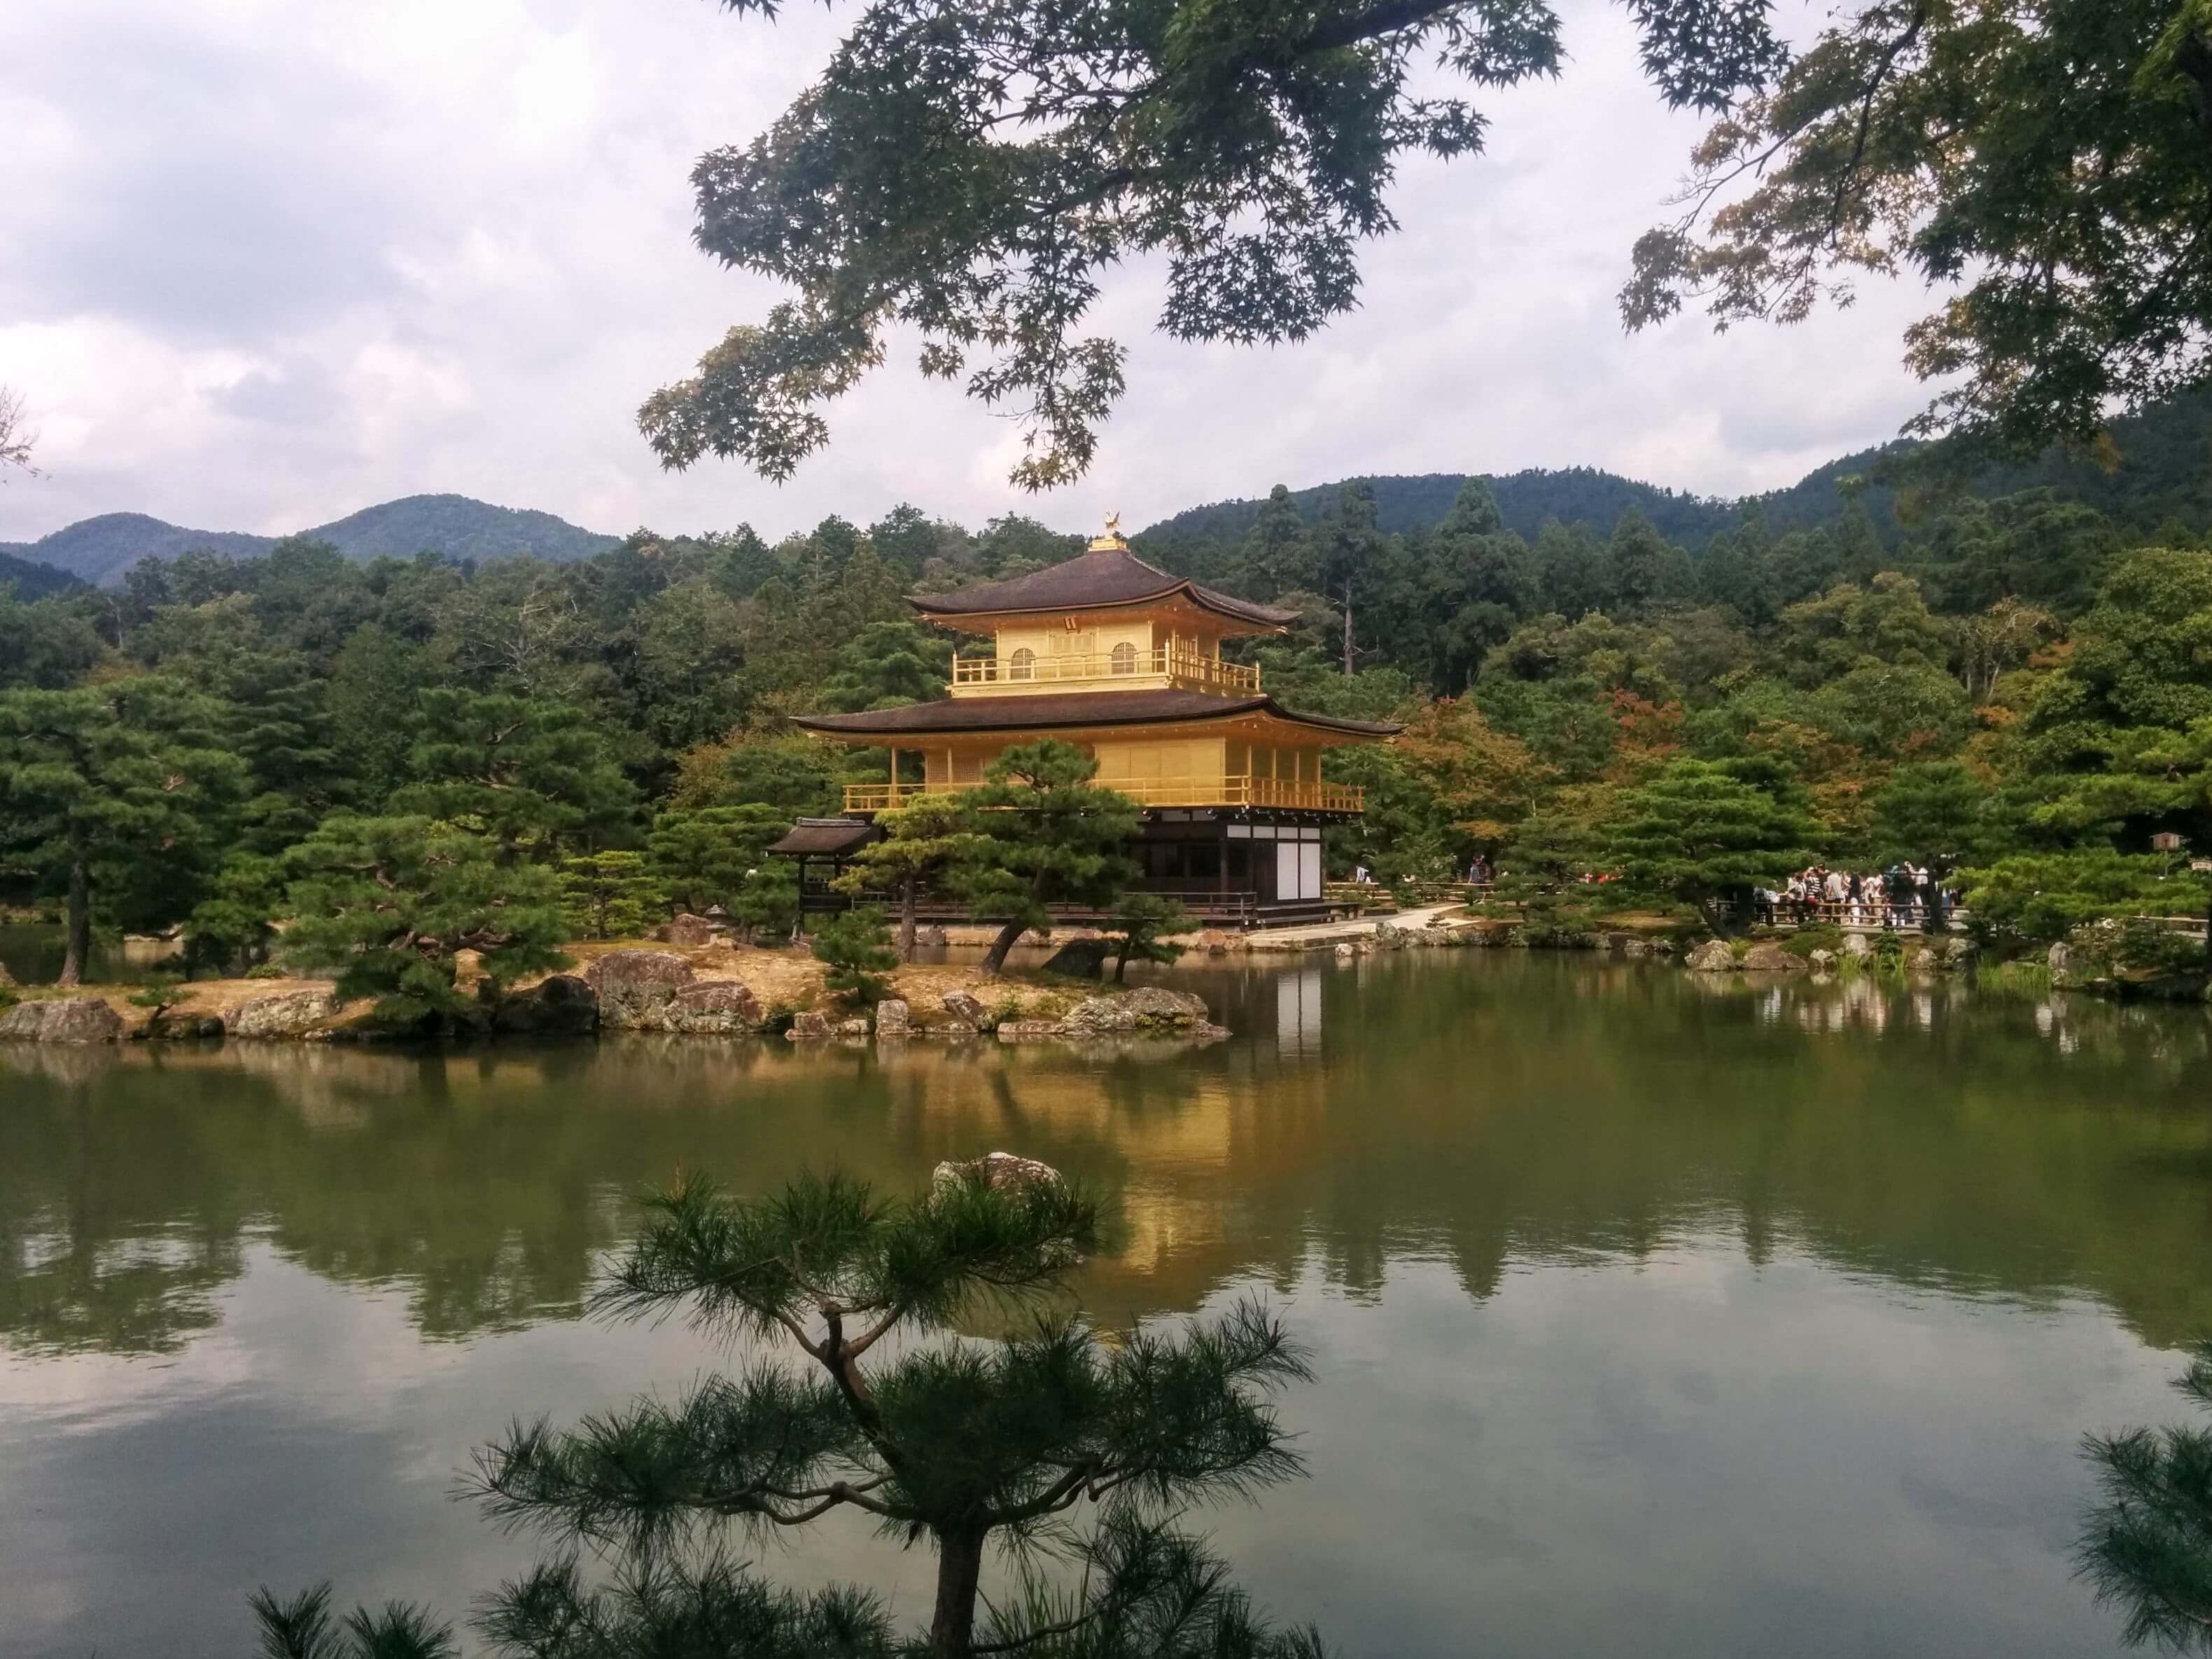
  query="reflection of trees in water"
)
[{"x": 1484, "y": 1113}]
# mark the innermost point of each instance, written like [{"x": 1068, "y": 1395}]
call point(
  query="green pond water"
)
[{"x": 1650, "y": 1316}]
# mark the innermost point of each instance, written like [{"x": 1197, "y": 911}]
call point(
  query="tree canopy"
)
[
  {"x": 2046, "y": 159},
  {"x": 970, "y": 170}
]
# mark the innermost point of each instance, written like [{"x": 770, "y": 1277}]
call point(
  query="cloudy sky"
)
[{"x": 270, "y": 261}]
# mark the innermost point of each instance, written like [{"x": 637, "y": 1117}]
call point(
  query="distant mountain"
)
[
  {"x": 1527, "y": 499},
  {"x": 27, "y": 581},
  {"x": 459, "y": 528},
  {"x": 2164, "y": 474},
  {"x": 100, "y": 549}
]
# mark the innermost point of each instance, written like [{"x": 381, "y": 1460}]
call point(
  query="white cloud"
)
[{"x": 270, "y": 261}]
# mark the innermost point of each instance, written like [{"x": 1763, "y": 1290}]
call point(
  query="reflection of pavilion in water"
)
[{"x": 1297, "y": 1014}]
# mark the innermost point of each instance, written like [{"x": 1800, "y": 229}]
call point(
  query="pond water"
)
[
  {"x": 1650, "y": 1316},
  {"x": 33, "y": 952}
]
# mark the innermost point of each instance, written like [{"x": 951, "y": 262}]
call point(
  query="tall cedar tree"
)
[
  {"x": 1053, "y": 837},
  {"x": 970, "y": 170},
  {"x": 113, "y": 786},
  {"x": 967, "y": 1444}
]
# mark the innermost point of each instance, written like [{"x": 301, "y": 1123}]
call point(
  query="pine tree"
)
[
  {"x": 855, "y": 948},
  {"x": 703, "y": 855},
  {"x": 767, "y": 904},
  {"x": 924, "y": 842},
  {"x": 2148, "y": 1544},
  {"x": 1053, "y": 836},
  {"x": 966, "y": 1443},
  {"x": 535, "y": 777},
  {"x": 387, "y": 903},
  {"x": 611, "y": 895},
  {"x": 114, "y": 789},
  {"x": 1704, "y": 833},
  {"x": 1139, "y": 920}
]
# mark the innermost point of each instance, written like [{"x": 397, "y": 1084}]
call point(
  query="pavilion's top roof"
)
[
  {"x": 1108, "y": 575},
  {"x": 1043, "y": 711}
]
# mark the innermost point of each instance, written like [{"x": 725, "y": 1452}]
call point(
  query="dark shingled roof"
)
[
  {"x": 1046, "y": 709},
  {"x": 826, "y": 836},
  {"x": 1107, "y": 576}
]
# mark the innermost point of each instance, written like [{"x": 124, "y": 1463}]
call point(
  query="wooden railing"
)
[
  {"x": 1182, "y": 668},
  {"x": 1164, "y": 792}
]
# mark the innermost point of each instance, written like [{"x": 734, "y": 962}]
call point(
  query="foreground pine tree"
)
[
  {"x": 969, "y": 1444},
  {"x": 2148, "y": 1546}
]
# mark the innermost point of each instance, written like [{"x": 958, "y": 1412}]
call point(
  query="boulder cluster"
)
[{"x": 1922, "y": 958}]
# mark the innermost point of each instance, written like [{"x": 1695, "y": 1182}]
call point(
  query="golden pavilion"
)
[{"x": 1123, "y": 659}]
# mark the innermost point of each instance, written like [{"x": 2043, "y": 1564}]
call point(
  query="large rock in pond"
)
[
  {"x": 993, "y": 1169},
  {"x": 961, "y": 1005},
  {"x": 635, "y": 987},
  {"x": 1857, "y": 947},
  {"x": 1080, "y": 958},
  {"x": 713, "y": 1007},
  {"x": 893, "y": 1019},
  {"x": 1031, "y": 1030},
  {"x": 811, "y": 1025},
  {"x": 560, "y": 1005},
  {"x": 1822, "y": 962},
  {"x": 74, "y": 1020},
  {"x": 287, "y": 1014},
  {"x": 1148, "y": 1008},
  {"x": 1713, "y": 957},
  {"x": 1771, "y": 959}
]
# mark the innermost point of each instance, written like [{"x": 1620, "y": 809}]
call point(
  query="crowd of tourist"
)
[{"x": 1896, "y": 897}]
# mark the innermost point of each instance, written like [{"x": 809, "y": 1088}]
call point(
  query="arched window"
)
[
  {"x": 1125, "y": 658},
  {"x": 1022, "y": 665}
]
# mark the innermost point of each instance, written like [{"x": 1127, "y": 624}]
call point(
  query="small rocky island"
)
[{"x": 676, "y": 990}]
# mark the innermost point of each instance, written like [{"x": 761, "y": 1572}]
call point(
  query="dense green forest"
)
[{"x": 2020, "y": 684}]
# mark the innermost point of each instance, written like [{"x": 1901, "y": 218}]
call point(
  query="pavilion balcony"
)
[
  {"x": 1231, "y": 792},
  {"x": 1124, "y": 666}
]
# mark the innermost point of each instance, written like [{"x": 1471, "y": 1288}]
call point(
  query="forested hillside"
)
[
  {"x": 2159, "y": 469},
  {"x": 33, "y": 581}
]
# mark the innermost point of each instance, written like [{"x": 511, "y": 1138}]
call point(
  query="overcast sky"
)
[{"x": 270, "y": 261}]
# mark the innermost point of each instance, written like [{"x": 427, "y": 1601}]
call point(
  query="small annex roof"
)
[
  {"x": 1040, "y": 711},
  {"x": 819, "y": 836},
  {"x": 1109, "y": 575}
]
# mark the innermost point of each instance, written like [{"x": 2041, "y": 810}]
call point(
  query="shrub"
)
[{"x": 856, "y": 948}]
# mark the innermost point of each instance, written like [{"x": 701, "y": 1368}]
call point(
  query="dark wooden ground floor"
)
[{"x": 1228, "y": 867}]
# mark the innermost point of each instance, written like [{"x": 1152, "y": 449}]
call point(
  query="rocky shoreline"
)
[{"x": 658, "y": 991}]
